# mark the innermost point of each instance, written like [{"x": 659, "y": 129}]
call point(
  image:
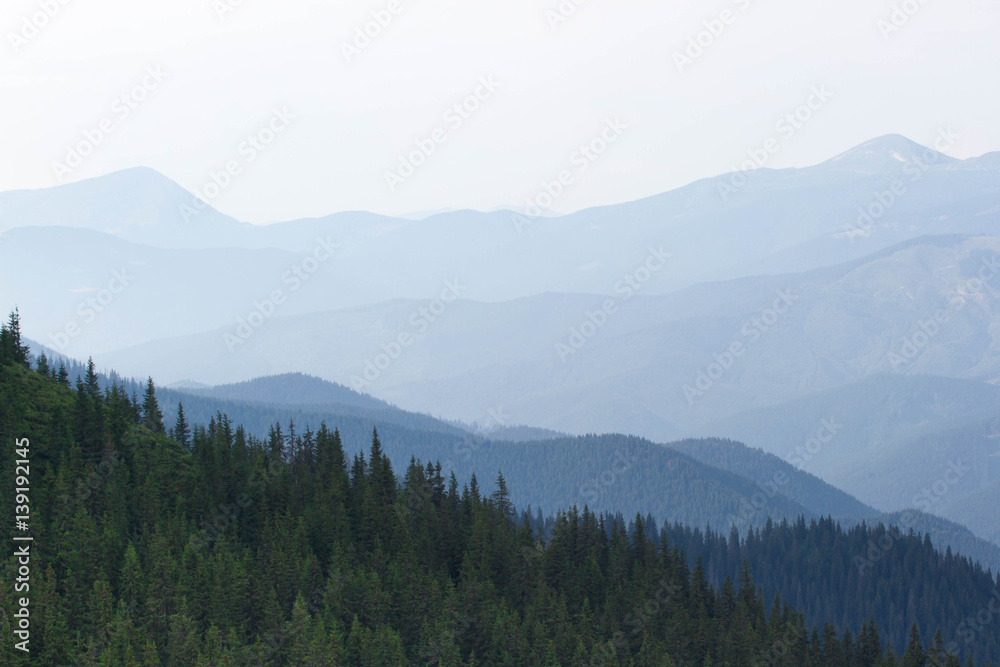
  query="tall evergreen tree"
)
[
  {"x": 42, "y": 365},
  {"x": 914, "y": 655},
  {"x": 12, "y": 351},
  {"x": 501, "y": 497},
  {"x": 182, "y": 433},
  {"x": 152, "y": 418},
  {"x": 90, "y": 382}
]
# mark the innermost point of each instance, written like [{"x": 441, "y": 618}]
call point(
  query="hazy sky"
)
[{"x": 609, "y": 68}]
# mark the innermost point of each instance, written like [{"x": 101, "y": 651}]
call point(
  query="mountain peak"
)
[
  {"x": 884, "y": 152},
  {"x": 138, "y": 204}
]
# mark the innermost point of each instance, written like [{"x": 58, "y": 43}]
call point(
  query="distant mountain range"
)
[
  {"x": 862, "y": 290},
  {"x": 781, "y": 221},
  {"x": 658, "y": 366}
]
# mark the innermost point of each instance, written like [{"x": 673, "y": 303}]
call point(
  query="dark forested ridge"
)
[
  {"x": 823, "y": 499},
  {"x": 849, "y": 576},
  {"x": 258, "y": 404},
  {"x": 214, "y": 547},
  {"x": 291, "y": 389},
  {"x": 762, "y": 467},
  {"x": 610, "y": 473},
  {"x": 896, "y": 435}
]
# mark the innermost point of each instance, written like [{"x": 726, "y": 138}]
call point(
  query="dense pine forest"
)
[
  {"x": 201, "y": 544},
  {"x": 706, "y": 481}
]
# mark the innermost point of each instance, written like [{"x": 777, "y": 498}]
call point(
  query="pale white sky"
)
[{"x": 557, "y": 88}]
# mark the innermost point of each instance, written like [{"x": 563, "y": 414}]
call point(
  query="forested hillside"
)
[
  {"x": 848, "y": 576},
  {"x": 762, "y": 467},
  {"x": 218, "y": 548},
  {"x": 245, "y": 403},
  {"x": 927, "y": 442},
  {"x": 878, "y": 421},
  {"x": 823, "y": 499},
  {"x": 609, "y": 473},
  {"x": 290, "y": 389}
]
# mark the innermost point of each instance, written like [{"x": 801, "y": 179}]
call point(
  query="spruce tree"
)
[
  {"x": 275, "y": 440},
  {"x": 182, "y": 433},
  {"x": 152, "y": 418},
  {"x": 90, "y": 382},
  {"x": 914, "y": 655},
  {"x": 501, "y": 497},
  {"x": 474, "y": 488},
  {"x": 43, "y": 365},
  {"x": 12, "y": 351}
]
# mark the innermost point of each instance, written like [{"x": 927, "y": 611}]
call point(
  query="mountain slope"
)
[
  {"x": 291, "y": 389},
  {"x": 732, "y": 485},
  {"x": 763, "y": 468},
  {"x": 642, "y": 368},
  {"x": 305, "y": 547},
  {"x": 977, "y": 510},
  {"x": 771, "y": 472},
  {"x": 138, "y": 205},
  {"x": 265, "y": 521},
  {"x": 899, "y": 442}
]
